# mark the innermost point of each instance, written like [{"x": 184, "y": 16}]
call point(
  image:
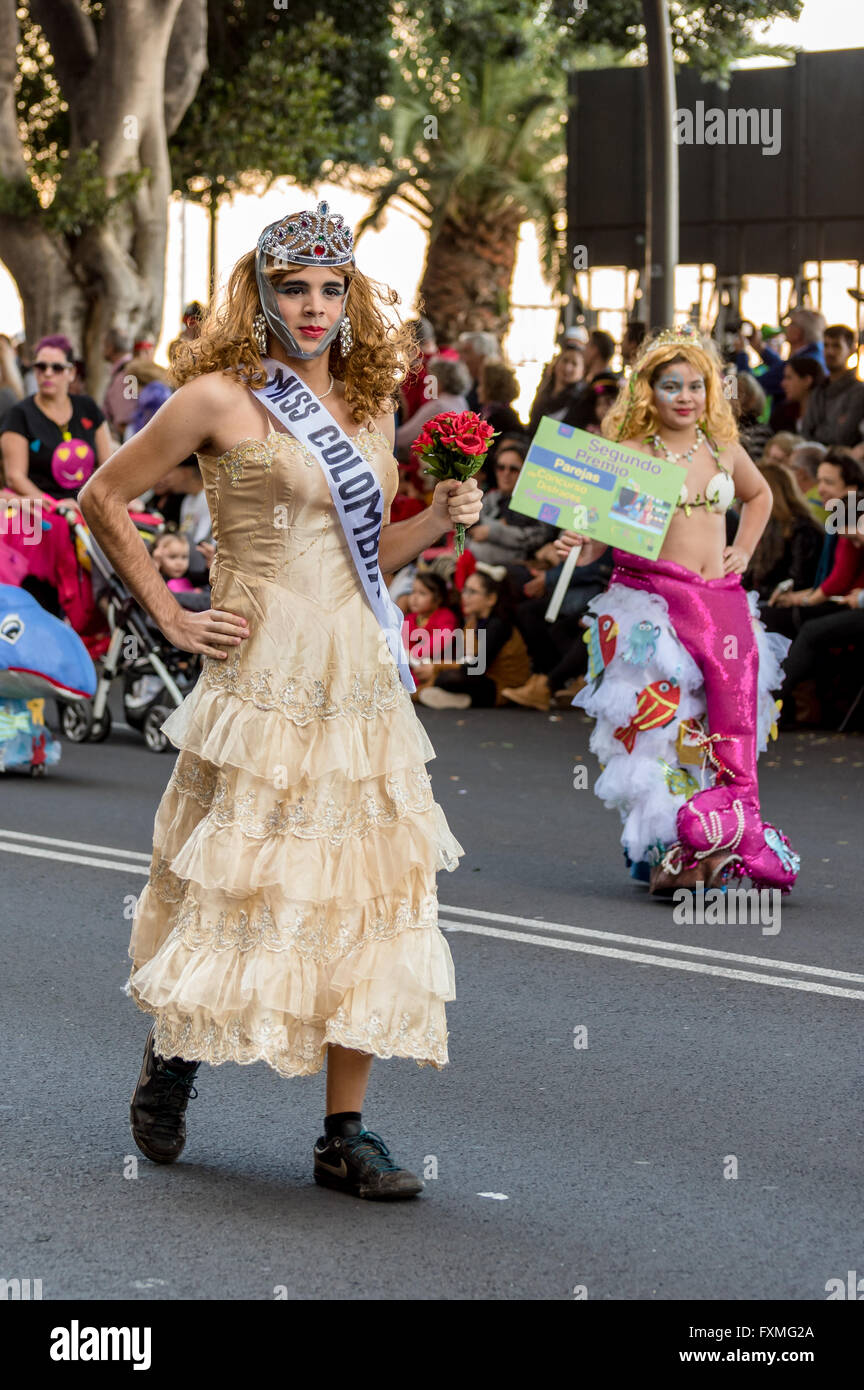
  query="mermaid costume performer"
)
[{"x": 681, "y": 673}]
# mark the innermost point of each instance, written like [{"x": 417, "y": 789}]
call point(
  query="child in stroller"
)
[{"x": 156, "y": 676}]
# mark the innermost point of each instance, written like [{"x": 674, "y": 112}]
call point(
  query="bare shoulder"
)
[
  {"x": 213, "y": 391},
  {"x": 641, "y": 444},
  {"x": 218, "y": 404},
  {"x": 733, "y": 456}
]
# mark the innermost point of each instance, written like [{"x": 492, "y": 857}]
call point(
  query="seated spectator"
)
[
  {"x": 835, "y": 410},
  {"x": 841, "y": 564},
  {"x": 413, "y": 390},
  {"x": 801, "y": 377},
  {"x": 475, "y": 348},
  {"x": 500, "y": 651},
  {"x": 558, "y": 385},
  {"x": 149, "y": 383},
  {"x": 118, "y": 402},
  {"x": 598, "y": 355},
  {"x": 50, "y": 442},
  {"x": 452, "y": 381},
  {"x": 557, "y": 650},
  {"x": 790, "y": 545},
  {"x": 502, "y": 536},
  {"x": 779, "y": 447},
  {"x": 497, "y": 390},
  {"x": 11, "y": 383},
  {"x": 803, "y": 464},
  {"x": 803, "y": 332},
  {"x": 410, "y": 497},
  {"x": 749, "y": 407},
  {"x": 194, "y": 516},
  {"x": 813, "y": 643},
  {"x": 588, "y": 411},
  {"x": 631, "y": 342},
  {"x": 427, "y": 606}
]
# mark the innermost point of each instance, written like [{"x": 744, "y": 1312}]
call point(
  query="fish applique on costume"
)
[
  {"x": 776, "y": 841},
  {"x": 601, "y": 639},
  {"x": 657, "y": 705},
  {"x": 641, "y": 643},
  {"x": 679, "y": 780}
]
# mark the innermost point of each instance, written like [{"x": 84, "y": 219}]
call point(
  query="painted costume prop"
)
[
  {"x": 291, "y": 901},
  {"x": 39, "y": 656},
  {"x": 680, "y": 679}
]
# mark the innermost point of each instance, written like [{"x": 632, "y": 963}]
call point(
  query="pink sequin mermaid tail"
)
[{"x": 712, "y": 619}]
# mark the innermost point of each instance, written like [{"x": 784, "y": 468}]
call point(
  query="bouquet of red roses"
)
[{"x": 454, "y": 445}]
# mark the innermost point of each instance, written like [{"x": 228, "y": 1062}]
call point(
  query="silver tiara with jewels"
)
[{"x": 306, "y": 240}]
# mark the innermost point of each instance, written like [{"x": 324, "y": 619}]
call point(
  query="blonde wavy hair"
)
[
  {"x": 634, "y": 416},
  {"x": 381, "y": 356}
]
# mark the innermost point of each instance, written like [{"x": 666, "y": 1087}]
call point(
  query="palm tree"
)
[{"x": 489, "y": 157}]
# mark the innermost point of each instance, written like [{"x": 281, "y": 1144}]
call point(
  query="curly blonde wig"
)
[
  {"x": 634, "y": 416},
  {"x": 381, "y": 355}
]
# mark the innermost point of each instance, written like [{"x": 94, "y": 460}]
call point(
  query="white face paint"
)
[{"x": 679, "y": 395}]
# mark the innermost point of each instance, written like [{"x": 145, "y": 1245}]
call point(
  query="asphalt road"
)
[{"x": 605, "y": 1167}]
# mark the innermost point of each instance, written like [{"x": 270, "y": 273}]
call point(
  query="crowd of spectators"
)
[{"x": 476, "y": 627}]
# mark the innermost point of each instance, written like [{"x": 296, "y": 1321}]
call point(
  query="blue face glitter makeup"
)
[{"x": 671, "y": 384}]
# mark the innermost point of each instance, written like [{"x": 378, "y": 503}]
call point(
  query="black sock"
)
[{"x": 343, "y": 1124}]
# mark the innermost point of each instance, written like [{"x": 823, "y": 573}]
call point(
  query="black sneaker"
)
[
  {"x": 361, "y": 1164},
  {"x": 157, "y": 1114}
]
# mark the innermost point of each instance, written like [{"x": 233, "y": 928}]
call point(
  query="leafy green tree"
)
[
  {"x": 284, "y": 94},
  {"x": 87, "y": 101},
  {"x": 93, "y": 91},
  {"x": 472, "y": 136}
]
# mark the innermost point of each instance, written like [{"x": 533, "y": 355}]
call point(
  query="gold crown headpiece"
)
[{"x": 673, "y": 337}]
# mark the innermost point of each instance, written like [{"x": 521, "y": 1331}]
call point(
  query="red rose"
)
[
  {"x": 424, "y": 438},
  {"x": 471, "y": 443},
  {"x": 468, "y": 418}
]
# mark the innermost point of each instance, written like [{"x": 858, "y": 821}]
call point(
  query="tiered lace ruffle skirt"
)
[{"x": 292, "y": 901}]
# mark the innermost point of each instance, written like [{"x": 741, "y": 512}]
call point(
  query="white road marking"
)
[
  {"x": 638, "y": 958},
  {"x": 137, "y": 862},
  {"x": 616, "y": 938},
  {"x": 123, "y": 866},
  {"x": 74, "y": 844}
]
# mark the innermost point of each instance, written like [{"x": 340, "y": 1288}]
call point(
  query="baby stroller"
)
[{"x": 156, "y": 676}]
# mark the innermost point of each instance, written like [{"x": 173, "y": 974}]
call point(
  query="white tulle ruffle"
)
[{"x": 648, "y": 785}]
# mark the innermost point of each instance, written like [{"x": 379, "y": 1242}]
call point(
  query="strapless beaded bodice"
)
[{"x": 273, "y": 516}]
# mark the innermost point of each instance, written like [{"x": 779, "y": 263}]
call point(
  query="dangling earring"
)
[
  {"x": 259, "y": 333},
  {"x": 346, "y": 337}
]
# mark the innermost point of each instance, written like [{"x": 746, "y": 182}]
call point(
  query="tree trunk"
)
[
  {"x": 469, "y": 272},
  {"x": 127, "y": 84}
]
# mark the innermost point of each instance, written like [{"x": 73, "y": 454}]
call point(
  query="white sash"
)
[{"x": 354, "y": 488}]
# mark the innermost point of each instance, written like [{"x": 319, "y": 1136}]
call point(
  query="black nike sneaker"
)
[
  {"x": 157, "y": 1114},
  {"x": 361, "y": 1164}
]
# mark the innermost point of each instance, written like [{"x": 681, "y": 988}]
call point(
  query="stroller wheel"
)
[
  {"x": 156, "y": 741},
  {"x": 75, "y": 721},
  {"x": 100, "y": 728}
]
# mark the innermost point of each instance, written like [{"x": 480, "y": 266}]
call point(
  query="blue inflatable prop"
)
[{"x": 39, "y": 655}]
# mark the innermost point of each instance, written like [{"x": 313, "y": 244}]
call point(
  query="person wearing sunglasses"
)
[
  {"x": 50, "y": 443},
  {"x": 36, "y": 429},
  {"x": 502, "y": 536}
]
